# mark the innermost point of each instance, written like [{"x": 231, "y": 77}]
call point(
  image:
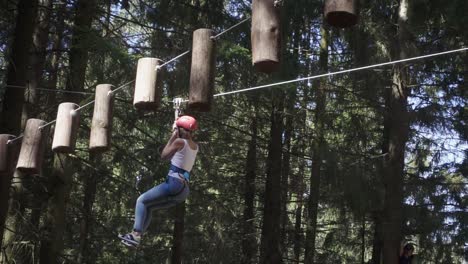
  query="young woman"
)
[{"x": 181, "y": 150}]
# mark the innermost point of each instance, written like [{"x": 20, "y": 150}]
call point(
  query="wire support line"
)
[
  {"x": 341, "y": 72},
  {"x": 90, "y": 103},
  {"x": 15, "y": 139},
  {"x": 229, "y": 29},
  {"x": 173, "y": 59},
  {"x": 120, "y": 87},
  {"x": 213, "y": 38},
  {"x": 48, "y": 124},
  {"x": 46, "y": 89},
  {"x": 85, "y": 105},
  {"x": 75, "y": 110}
]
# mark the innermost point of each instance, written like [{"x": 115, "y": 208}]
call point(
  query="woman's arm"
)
[{"x": 173, "y": 145}]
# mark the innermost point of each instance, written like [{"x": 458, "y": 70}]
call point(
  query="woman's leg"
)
[
  {"x": 157, "y": 194},
  {"x": 163, "y": 205},
  {"x": 162, "y": 196}
]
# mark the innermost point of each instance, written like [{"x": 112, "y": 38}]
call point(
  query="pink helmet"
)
[{"x": 187, "y": 122}]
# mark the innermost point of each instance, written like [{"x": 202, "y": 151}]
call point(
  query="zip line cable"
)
[{"x": 340, "y": 72}]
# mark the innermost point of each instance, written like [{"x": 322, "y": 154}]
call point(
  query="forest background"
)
[{"x": 343, "y": 169}]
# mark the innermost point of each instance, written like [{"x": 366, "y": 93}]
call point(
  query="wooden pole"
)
[
  {"x": 202, "y": 73},
  {"x": 32, "y": 147},
  {"x": 102, "y": 119},
  {"x": 265, "y": 36},
  {"x": 8, "y": 154},
  {"x": 341, "y": 13},
  {"x": 66, "y": 128},
  {"x": 148, "y": 85}
]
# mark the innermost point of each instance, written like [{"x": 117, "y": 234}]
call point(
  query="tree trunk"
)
[
  {"x": 377, "y": 239},
  {"x": 398, "y": 127},
  {"x": 271, "y": 230},
  {"x": 249, "y": 243},
  {"x": 286, "y": 167},
  {"x": 52, "y": 243},
  {"x": 54, "y": 223},
  {"x": 38, "y": 56},
  {"x": 53, "y": 67},
  {"x": 317, "y": 149},
  {"x": 298, "y": 234},
  {"x": 178, "y": 235},
  {"x": 81, "y": 41},
  {"x": 10, "y": 122},
  {"x": 14, "y": 220},
  {"x": 10, "y": 119},
  {"x": 90, "y": 182}
]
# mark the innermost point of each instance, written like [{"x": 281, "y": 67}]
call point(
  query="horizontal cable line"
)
[
  {"x": 341, "y": 72},
  {"x": 46, "y": 89}
]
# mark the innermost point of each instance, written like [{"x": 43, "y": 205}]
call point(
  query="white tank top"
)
[{"x": 185, "y": 158}]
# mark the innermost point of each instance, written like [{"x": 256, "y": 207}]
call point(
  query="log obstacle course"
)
[
  {"x": 32, "y": 147},
  {"x": 66, "y": 128},
  {"x": 341, "y": 13},
  {"x": 8, "y": 155},
  {"x": 265, "y": 36},
  {"x": 266, "y": 53},
  {"x": 148, "y": 84},
  {"x": 101, "y": 125},
  {"x": 202, "y": 73}
]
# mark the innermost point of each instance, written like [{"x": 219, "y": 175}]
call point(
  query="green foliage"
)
[{"x": 352, "y": 189}]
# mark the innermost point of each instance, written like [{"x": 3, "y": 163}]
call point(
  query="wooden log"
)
[
  {"x": 202, "y": 73},
  {"x": 102, "y": 119},
  {"x": 66, "y": 128},
  {"x": 8, "y": 154},
  {"x": 148, "y": 84},
  {"x": 265, "y": 36},
  {"x": 341, "y": 13},
  {"x": 32, "y": 147}
]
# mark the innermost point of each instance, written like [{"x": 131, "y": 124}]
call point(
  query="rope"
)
[
  {"x": 120, "y": 87},
  {"x": 15, "y": 139},
  {"x": 341, "y": 72},
  {"x": 231, "y": 28},
  {"x": 85, "y": 105},
  {"x": 78, "y": 109},
  {"x": 46, "y": 89},
  {"x": 213, "y": 38},
  {"x": 173, "y": 59},
  {"x": 48, "y": 124}
]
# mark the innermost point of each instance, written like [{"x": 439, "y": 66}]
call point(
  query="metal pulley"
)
[{"x": 177, "y": 106}]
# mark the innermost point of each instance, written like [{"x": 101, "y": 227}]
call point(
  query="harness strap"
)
[{"x": 179, "y": 171}]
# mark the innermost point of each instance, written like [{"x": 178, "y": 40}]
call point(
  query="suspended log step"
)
[
  {"x": 148, "y": 84},
  {"x": 102, "y": 119},
  {"x": 341, "y": 13},
  {"x": 8, "y": 154},
  {"x": 66, "y": 128},
  {"x": 266, "y": 36},
  {"x": 202, "y": 72},
  {"x": 32, "y": 148}
]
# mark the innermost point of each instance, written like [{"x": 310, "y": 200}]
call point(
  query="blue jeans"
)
[{"x": 165, "y": 195}]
